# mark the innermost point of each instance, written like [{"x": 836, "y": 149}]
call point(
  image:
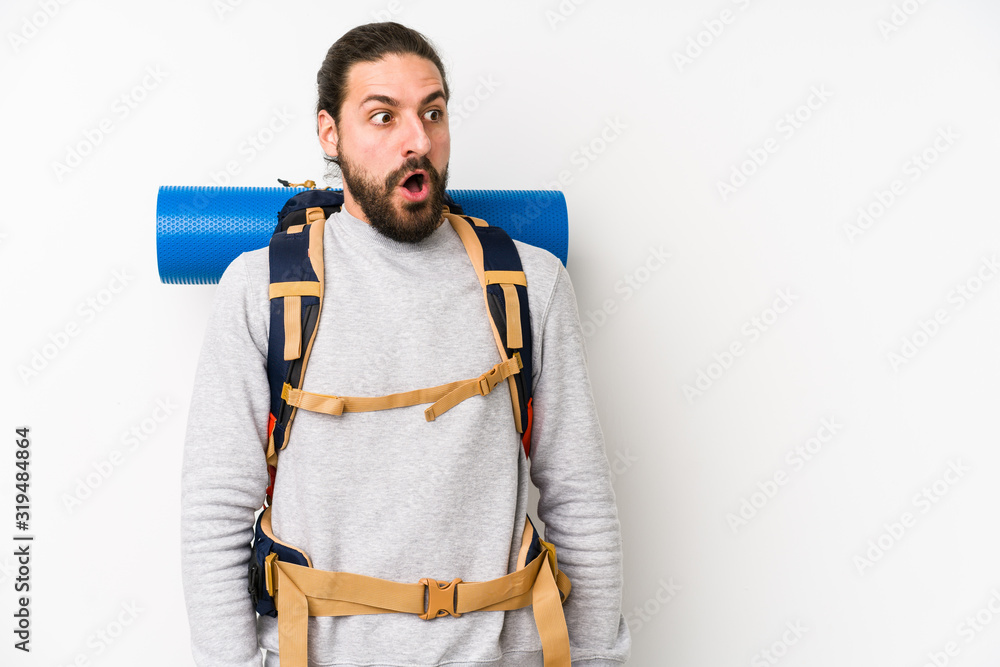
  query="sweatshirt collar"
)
[{"x": 348, "y": 226}]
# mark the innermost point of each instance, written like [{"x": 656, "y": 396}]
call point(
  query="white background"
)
[{"x": 701, "y": 588}]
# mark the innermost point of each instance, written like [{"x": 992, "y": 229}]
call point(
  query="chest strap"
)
[{"x": 444, "y": 396}]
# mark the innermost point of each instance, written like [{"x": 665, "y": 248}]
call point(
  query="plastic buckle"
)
[
  {"x": 484, "y": 385},
  {"x": 442, "y": 598},
  {"x": 254, "y": 583}
]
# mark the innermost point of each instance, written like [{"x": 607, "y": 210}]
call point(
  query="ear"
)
[{"x": 327, "y": 129}]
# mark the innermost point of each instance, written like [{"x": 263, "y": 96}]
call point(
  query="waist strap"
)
[{"x": 301, "y": 592}]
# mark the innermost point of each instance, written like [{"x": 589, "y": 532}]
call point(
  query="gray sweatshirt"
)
[{"x": 388, "y": 494}]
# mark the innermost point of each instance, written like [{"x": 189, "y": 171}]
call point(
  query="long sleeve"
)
[
  {"x": 576, "y": 500},
  {"x": 224, "y": 475}
]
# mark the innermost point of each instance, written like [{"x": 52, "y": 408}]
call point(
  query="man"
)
[{"x": 388, "y": 494}]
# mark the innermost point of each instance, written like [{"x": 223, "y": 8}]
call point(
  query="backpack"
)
[{"x": 282, "y": 581}]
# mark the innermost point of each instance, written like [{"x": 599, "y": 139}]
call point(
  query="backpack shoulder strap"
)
[
  {"x": 505, "y": 290},
  {"x": 296, "y": 295}
]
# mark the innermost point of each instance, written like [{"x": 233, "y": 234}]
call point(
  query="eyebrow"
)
[{"x": 390, "y": 101}]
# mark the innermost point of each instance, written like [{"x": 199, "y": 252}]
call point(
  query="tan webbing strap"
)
[
  {"x": 338, "y": 405},
  {"x": 509, "y": 277},
  {"x": 296, "y": 288},
  {"x": 481, "y": 385},
  {"x": 346, "y": 594},
  {"x": 549, "y": 618},
  {"x": 293, "y": 327},
  {"x": 301, "y": 592},
  {"x": 445, "y": 396},
  {"x": 293, "y": 620},
  {"x": 475, "y": 251},
  {"x": 292, "y": 293},
  {"x": 507, "y": 280},
  {"x": 513, "y": 315}
]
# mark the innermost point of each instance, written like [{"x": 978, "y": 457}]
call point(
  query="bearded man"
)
[{"x": 388, "y": 494}]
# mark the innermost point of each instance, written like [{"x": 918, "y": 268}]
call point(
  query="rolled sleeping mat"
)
[{"x": 200, "y": 230}]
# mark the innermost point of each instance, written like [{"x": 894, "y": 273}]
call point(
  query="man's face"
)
[{"x": 393, "y": 143}]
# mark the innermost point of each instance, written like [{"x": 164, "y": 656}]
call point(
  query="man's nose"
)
[{"x": 415, "y": 139}]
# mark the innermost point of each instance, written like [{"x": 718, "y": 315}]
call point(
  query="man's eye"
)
[
  {"x": 386, "y": 114},
  {"x": 435, "y": 111}
]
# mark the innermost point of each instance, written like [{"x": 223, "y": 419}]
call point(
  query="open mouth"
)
[
  {"x": 416, "y": 187},
  {"x": 415, "y": 183}
]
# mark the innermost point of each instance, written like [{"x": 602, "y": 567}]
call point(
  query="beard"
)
[{"x": 417, "y": 220}]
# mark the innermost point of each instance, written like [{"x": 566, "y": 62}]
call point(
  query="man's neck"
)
[{"x": 353, "y": 208}]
